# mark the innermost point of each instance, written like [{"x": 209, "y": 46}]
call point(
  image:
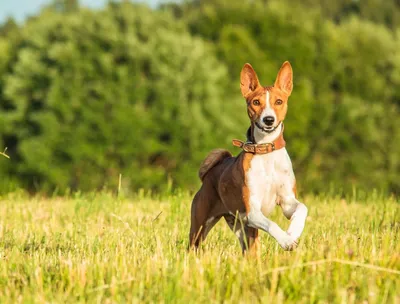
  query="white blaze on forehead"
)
[
  {"x": 268, "y": 111},
  {"x": 267, "y": 100}
]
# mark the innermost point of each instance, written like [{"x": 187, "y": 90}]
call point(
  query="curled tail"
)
[{"x": 212, "y": 159}]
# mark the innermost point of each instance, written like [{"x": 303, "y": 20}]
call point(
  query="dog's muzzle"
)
[{"x": 265, "y": 129}]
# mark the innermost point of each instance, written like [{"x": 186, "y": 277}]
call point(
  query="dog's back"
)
[{"x": 214, "y": 158}]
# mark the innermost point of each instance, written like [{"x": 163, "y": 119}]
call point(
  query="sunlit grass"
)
[
  {"x": 4, "y": 153},
  {"x": 97, "y": 248}
]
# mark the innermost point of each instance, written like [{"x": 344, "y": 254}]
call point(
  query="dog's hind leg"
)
[
  {"x": 204, "y": 215},
  {"x": 248, "y": 236},
  {"x": 253, "y": 241}
]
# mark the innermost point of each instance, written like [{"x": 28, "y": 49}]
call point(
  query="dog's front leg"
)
[
  {"x": 296, "y": 212},
  {"x": 257, "y": 220}
]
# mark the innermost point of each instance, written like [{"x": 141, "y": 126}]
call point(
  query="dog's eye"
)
[
  {"x": 278, "y": 102},
  {"x": 256, "y": 102}
]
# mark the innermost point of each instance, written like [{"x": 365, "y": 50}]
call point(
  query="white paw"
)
[{"x": 288, "y": 242}]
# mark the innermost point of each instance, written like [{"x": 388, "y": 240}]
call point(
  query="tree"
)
[
  {"x": 66, "y": 6},
  {"x": 8, "y": 27},
  {"x": 124, "y": 90}
]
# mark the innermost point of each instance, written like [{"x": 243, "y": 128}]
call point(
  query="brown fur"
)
[
  {"x": 224, "y": 192},
  {"x": 212, "y": 159},
  {"x": 280, "y": 91}
]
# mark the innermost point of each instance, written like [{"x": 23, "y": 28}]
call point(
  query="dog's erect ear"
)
[
  {"x": 248, "y": 80},
  {"x": 284, "y": 80}
]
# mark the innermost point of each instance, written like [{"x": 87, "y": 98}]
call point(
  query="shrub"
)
[{"x": 123, "y": 90}]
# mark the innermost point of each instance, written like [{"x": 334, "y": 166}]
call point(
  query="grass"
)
[
  {"x": 97, "y": 248},
  {"x": 4, "y": 153}
]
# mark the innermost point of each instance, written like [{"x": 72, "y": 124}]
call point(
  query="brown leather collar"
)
[{"x": 250, "y": 147}]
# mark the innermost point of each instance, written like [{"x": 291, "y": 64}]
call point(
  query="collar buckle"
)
[
  {"x": 272, "y": 146},
  {"x": 249, "y": 147}
]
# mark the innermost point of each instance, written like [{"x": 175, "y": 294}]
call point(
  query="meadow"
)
[{"x": 102, "y": 249}]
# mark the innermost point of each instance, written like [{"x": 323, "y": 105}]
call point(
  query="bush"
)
[{"x": 124, "y": 90}]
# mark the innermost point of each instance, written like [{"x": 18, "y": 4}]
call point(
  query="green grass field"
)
[{"x": 97, "y": 248}]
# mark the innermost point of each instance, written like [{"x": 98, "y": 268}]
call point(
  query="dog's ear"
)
[
  {"x": 248, "y": 80},
  {"x": 284, "y": 80}
]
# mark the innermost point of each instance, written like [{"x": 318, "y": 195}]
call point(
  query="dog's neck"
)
[{"x": 257, "y": 136}]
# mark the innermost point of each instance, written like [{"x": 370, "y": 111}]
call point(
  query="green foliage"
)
[
  {"x": 125, "y": 90},
  {"x": 384, "y": 12},
  {"x": 97, "y": 249},
  {"x": 66, "y": 6},
  {"x": 8, "y": 28}
]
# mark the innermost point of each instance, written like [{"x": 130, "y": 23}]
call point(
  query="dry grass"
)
[
  {"x": 4, "y": 153},
  {"x": 96, "y": 248}
]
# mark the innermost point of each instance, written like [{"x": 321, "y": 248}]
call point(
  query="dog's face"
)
[{"x": 266, "y": 106}]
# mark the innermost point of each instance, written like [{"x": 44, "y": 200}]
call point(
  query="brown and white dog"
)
[{"x": 245, "y": 189}]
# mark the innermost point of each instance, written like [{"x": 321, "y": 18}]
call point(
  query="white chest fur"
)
[{"x": 270, "y": 176}]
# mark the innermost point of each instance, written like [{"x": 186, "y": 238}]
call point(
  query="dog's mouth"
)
[{"x": 267, "y": 129}]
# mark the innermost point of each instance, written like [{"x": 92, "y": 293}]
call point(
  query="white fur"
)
[
  {"x": 270, "y": 180},
  {"x": 267, "y": 100},
  {"x": 268, "y": 111},
  {"x": 263, "y": 138}
]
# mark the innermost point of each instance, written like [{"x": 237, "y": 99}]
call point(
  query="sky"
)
[{"x": 20, "y": 9}]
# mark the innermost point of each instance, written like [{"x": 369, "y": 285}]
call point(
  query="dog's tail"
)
[{"x": 212, "y": 159}]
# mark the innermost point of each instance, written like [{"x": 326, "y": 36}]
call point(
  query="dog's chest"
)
[{"x": 269, "y": 176}]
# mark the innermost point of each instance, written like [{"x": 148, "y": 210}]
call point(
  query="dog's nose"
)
[{"x": 269, "y": 120}]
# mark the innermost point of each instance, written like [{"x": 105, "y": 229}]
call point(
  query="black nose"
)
[{"x": 269, "y": 120}]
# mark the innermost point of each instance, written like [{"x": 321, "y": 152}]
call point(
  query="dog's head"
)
[{"x": 266, "y": 106}]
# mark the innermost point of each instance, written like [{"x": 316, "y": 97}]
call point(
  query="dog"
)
[{"x": 245, "y": 189}]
